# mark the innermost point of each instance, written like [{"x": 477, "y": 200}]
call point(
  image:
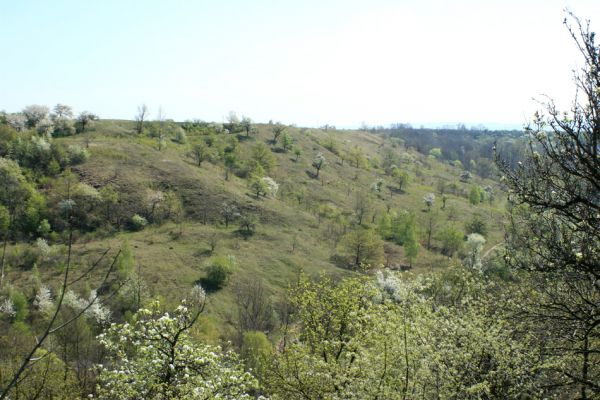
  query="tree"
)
[
  {"x": 356, "y": 156},
  {"x": 246, "y": 125},
  {"x": 297, "y": 153},
  {"x": 318, "y": 163},
  {"x": 362, "y": 205},
  {"x": 475, "y": 244},
  {"x": 165, "y": 363},
  {"x": 401, "y": 177},
  {"x": 257, "y": 352},
  {"x": 140, "y": 118},
  {"x": 286, "y": 142},
  {"x": 200, "y": 153},
  {"x": 475, "y": 195},
  {"x": 15, "y": 192},
  {"x": 261, "y": 155},
  {"x": 247, "y": 224},
  {"x": 258, "y": 185},
  {"x": 230, "y": 162},
  {"x": 476, "y": 225},
  {"x": 429, "y": 199},
  {"x": 35, "y": 114},
  {"x": 85, "y": 119},
  {"x": 362, "y": 247},
  {"x": 451, "y": 239},
  {"x": 229, "y": 212},
  {"x": 255, "y": 310},
  {"x": 63, "y": 111},
  {"x": 277, "y": 129},
  {"x": 553, "y": 228},
  {"x": 432, "y": 220}
]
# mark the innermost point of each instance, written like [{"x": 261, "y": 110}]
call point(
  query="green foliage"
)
[
  {"x": 476, "y": 225},
  {"x": 286, "y": 142},
  {"x": 126, "y": 261},
  {"x": 436, "y": 152},
  {"x": 476, "y": 195},
  {"x": 200, "y": 153},
  {"x": 401, "y": 177},
  {"x": 14, "y": 188},
  {"x": 260, "y": 155},
  {"x": 48, "y": 378},
  {"x": 138, "y": 222},
  {"x": 20, "y": 304},
  {"x": 362, "y": 248},
  {"x": 384, "y": 226},
  {"x": 257, "y": 185},
  {"x": 318, "y": 163},
  {"x": 451, "y": 240},
  {"x": 4, "y": 221},
  {"x": 402, "y": 340},
  {"x": 256, "y": 351}
]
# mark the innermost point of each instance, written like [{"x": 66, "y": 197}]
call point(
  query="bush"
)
[
  {"x": 77, "y": 154},
  {"x": 217, "y": 272},
  {"x": 476, "y": 225},
  {"x": 138, "y": 222}
]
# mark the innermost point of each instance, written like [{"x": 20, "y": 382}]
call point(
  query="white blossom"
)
[
  {"x": 43, "y": 300},
  {"x": 7, "y": 307}
]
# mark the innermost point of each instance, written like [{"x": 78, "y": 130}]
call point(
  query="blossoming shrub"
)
[{"x": 154, "y": 358}]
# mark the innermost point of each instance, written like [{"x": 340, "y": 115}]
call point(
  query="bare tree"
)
[
  {"x": 140, "y": 118},
  {"x": 255, "y": 310}
]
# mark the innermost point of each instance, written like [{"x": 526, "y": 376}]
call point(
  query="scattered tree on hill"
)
[
  {"x": 475, "y": 195},
  {"x": 402, "y": 178},
  {"x": 63, "y": 111},
  {"x": 247, "y": 224},
  {"x": 262, "y": 155},
  {"x": 362, "y": 247},
  {"x": 277, "y": 129},
  {"x": 200, "y": 153},
  {"x": 356, "y": 156},
  {"x": 255, "y": 311},
  {"x": 286, "y": 142},
  {"x": 318, "y": 163},
  {"x": 297, "y": 152},
  {"x": 246, "y": 125},
  {"x": 451, "y": 240},
  {"x": 475, "y": 244},
  {"x": 35, "y": 114},
  {"x": 258, "y": 186},
  {"x": 476, "y": 225},
  {"x": 362, "y": 205},
  {"x": 429, "y": 199},
  {"x": 140, "y": 118},
  {"x": 432, "y": 220},
  {"x": 229, "y": 212}
]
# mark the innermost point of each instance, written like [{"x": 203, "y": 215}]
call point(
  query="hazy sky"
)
[{"x": 304, "y": 62}]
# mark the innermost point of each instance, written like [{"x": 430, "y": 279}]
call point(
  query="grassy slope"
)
[{"x": 171, "y": 265}]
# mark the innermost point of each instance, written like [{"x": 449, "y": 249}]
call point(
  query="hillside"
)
[{"x": 298, "y": 229}]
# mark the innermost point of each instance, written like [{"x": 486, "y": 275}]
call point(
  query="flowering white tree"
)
[
  {"x": 154, "y": 358},
  {"x": 272, "y": 186},
  {"x": 475, "y": 244}
]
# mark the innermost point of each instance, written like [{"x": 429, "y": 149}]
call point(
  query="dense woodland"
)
[{"x": 155, "y": 259}]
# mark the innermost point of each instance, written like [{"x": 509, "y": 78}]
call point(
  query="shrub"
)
[
  {"x": 138, "y": 222},
  {"x": 218, "y": 271}
]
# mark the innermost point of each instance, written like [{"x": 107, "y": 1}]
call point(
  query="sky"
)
[{"x": 307, "y": 62}]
